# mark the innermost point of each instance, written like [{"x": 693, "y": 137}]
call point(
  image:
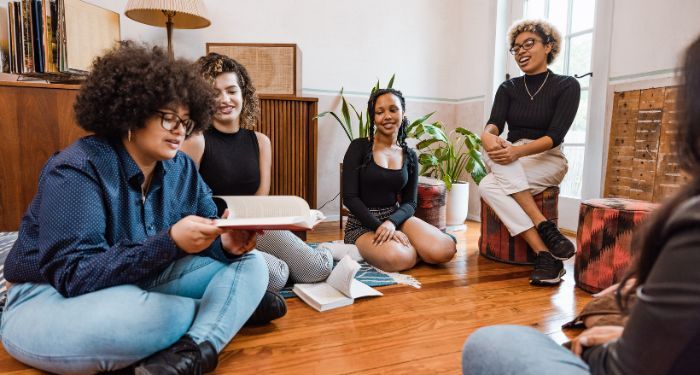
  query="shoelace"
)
[{"x": 551, "y": 234}]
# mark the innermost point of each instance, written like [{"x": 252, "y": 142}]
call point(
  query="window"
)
[{"x": 574, "y": 20}]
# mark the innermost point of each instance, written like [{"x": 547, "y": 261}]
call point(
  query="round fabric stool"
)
[
  {"x": 603, "y": 240},
  {"x": 495, "y": 241},
  {"x": 431, "y": 206}
]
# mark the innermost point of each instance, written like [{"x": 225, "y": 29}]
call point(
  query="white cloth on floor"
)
[{"x": 339, "y": 250}]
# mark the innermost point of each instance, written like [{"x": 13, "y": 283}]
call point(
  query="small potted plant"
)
[{"x": 445, "y": 156}]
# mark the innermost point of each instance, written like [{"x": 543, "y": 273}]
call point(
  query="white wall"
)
[
  {"x": 436, "y": 49},
  {"x": 648, "y": 36}
]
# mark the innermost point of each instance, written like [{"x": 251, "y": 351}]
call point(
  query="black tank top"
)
[{"x": 231, "y": 162}]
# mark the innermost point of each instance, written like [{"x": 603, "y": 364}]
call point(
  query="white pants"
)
[{"x": 534, "y": 173}]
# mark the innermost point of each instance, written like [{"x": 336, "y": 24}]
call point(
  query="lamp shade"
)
[{"x": 185, "y": 14}]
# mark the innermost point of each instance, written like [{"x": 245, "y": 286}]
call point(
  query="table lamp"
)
[{"x": 179, "y": 14}]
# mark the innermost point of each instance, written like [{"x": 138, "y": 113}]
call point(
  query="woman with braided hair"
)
[
  {"x": 234, "y": 159},
  {"x": 380, "y": 182}
]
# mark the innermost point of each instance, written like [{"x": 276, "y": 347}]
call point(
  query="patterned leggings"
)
[{"x": 288, "y": 257}]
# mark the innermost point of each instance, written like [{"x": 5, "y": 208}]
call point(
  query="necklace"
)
[{"x": 532, "y": 96}]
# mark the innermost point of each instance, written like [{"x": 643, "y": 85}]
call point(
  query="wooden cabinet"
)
[
  {"x": 642, "y": 155},
  {"x": 36, "y": 120}
]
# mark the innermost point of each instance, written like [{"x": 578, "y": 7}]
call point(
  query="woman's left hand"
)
[
  {"x": 595, "y": 336},
  {"x": 238, "y": 242},
  {"x": 505, "y": 155},
  {"x": 384, "y": 233}
]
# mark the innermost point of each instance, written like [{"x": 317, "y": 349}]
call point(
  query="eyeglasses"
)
[
  {"x": 527, "y": 44},
  {"x": 170, "y": 121}
]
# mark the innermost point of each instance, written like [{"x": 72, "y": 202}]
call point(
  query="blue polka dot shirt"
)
[{"x": 89, "y": 227}]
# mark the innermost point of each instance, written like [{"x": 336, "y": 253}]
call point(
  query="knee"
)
[
  {"x": 278, "y": 275},
  {"x": 398, "y": 258},
  {"x": 256, "y": 269},
  {"x": 443, "y": 250},
  {"x": 322, "y": 265},
  {"x": 479, "y": 348}
]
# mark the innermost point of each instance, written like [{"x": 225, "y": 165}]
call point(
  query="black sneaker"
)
[
  {"x": 559, "y": 246},
  {"x": 270, "y": 308},
  {"x": 548, "y": 271},
  {"x": 184, "y": 357}
]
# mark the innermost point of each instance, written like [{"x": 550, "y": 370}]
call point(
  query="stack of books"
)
[{"x": 54, "y": 37}]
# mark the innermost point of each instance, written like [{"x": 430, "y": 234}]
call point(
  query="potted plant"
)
[
  {"x": 445, "y": 156},
  {"x": 363, "y": 120}
]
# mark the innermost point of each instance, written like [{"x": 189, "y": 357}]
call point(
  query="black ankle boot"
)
[
  {"x": 270, "y": 308},
  {"x": 184, "y": 357}
]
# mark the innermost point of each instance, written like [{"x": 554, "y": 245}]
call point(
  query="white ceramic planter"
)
[{"x": 457, "y": 204}]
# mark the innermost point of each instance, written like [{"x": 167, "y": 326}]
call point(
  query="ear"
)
[{"x": 548, "y": 48}]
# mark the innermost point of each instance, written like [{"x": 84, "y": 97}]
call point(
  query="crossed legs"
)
[{"x": 427, "y": 243}]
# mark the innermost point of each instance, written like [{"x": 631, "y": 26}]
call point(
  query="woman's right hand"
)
[
  {"x": 384, "y": 233},
  {"x": 192, "y": 234},
  {"x": 492, "y": 142}
]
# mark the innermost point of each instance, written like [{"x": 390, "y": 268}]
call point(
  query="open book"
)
[
  {"x": 277, "y": 212},
  {"x": 340, "y": 289}
]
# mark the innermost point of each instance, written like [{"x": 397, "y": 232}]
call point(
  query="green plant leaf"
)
[
  {"x": 391, "y": 81},
  {"x": 426, "y": 143},
  {"x": 346, "y": 114},
  {"x": 347, "y": 132}
]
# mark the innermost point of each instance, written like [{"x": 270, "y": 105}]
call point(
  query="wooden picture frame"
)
[{"x": 275, "y": 68}]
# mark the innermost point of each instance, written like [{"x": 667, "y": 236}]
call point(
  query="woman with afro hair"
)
[
  {"x": 380, "y": 188},
  {"x": 118, "y": 261},
  {"x": 539, "y": 108}
]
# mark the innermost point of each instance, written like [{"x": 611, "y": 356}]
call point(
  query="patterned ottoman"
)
[
  {"x": 495, "y": 241},
  {"x": 431, "y": 202},
  {"x": 603, "y": 240}
]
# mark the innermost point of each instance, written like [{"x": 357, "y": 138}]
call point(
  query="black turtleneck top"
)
[{"x": 549, "y": 113}]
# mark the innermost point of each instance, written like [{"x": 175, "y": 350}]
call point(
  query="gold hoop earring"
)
[{"x": 129, "y": 135}]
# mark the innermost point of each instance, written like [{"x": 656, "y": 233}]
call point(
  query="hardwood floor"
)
[{"x": 406, "y": 331}]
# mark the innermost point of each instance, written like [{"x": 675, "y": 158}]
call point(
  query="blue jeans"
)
[
  {"x": 112, "y": 328},
  {"x": 509, "y": 349}
]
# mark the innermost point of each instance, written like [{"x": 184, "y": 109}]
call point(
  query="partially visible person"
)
[
  {"x": 662, "y": 333},
  {"x": 118, "y": 260},
  {"x": 234, "y": 159},
  {"x": 380, "y": 187},
  {"x": 539, "y": 108}
]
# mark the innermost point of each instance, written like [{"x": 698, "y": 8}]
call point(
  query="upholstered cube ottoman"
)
[
  {"x": 431, "y": 206},
  {"x": 495, "y": 241},
  {"x": 603, "y": 240}
]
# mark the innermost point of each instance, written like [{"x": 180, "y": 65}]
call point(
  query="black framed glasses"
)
[
  {"x": 527, "y": 44},
  {"x": 170, "y": 121}
]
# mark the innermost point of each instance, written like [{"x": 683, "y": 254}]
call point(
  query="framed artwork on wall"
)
[{"x": 274, "y": 68}]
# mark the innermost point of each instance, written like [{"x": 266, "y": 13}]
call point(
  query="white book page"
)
[
  {"x": 359, "y": 289},
  {"x": 343, "y": 274},
  {"x": 323, "y": 295},
  {"x": 266, "y": 206}
]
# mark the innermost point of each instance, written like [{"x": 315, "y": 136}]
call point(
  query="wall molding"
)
[
  {"x": 644, "y": 75},
  {"x": 420, "y": 98}
]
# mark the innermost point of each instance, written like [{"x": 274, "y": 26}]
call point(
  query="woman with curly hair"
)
[
  {"x": 662, "y": 332},
  {"x": 234, "y": 159},
  {"x": 539, "y": 108},
  {"x": 376, "y": 173},
  {"x": 118, "y": 259}
]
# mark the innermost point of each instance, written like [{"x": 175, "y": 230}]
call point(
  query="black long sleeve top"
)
[
  {"x": 550, "y": 113},
  {"x": 370, "y": 185},
  {"x": 662, "y": 335}
]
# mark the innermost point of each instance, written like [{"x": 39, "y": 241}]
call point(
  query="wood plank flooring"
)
[{"x": 406, "y": 331}]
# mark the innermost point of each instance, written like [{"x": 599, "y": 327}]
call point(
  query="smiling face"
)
[
  {"x": 229, "y": 100},
  {"x": 152, "y": 142},
  {"x": 388, "y": 114},
  {"x": 533, "y": 60}
]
